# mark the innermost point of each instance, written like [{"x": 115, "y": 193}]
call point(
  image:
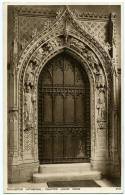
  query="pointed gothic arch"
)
[{"x": 93, "y": 68}]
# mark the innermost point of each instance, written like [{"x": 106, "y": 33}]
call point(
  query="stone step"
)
[
  {"x": 62, "y": 168},
  {"x": 69, "y": 176}
]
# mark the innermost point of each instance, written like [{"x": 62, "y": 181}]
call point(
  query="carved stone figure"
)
[
  {"x": 28, "y": 109},
  {"x": 101, "y": 105},
  {"x": 30, "y": 75}
]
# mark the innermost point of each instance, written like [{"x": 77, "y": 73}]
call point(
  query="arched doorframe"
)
[
  {"x": 97, "y": 86},
  {"x": 98, "y": 67},
  {"x": 92, "y": 81}
]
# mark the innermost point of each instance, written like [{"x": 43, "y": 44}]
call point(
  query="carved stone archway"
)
[{"x": 66, "y": 34}]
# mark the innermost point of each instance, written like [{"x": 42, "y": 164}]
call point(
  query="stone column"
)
[
  {"x": 13, "y": 133},
  {"x": 100, "y": 158},
  {"x": 116, "y": 126},
  {"x": 115, "y": 164}
]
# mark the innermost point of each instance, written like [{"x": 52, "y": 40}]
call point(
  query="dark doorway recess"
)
[{"x": 63, "y": 112}]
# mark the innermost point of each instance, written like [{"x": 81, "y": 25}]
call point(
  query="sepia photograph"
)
[{"x": 63, "y": 127}]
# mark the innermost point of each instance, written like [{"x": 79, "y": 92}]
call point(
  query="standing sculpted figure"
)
[
  {"x": 101, "y": 105},
  {"x": 30, "y": 75},
  {"x": 28, "y": 108}
]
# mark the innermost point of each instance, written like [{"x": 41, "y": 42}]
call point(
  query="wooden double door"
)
[{"x": 63, "y": 112}]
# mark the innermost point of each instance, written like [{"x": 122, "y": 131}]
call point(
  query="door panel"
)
[
  {"x": 63, "y": 112},
  {"x": 80, "y": 109},
  {"x": 58, "y": 108},
  {"x": 46, "y": 148},
  {"x": 69, "y": 109},
  {"x": 47, "y": 108},
  {"x": 58, "y": 147}
]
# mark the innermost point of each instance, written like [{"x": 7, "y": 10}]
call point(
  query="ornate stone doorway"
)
[
  {"x": 49, "y": 63},
  {"x": 63, "y": 112}
]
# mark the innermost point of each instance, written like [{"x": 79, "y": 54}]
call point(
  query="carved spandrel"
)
[
  {"x": 86, "y": 53},
  {"x": 30, "y": 27}
]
